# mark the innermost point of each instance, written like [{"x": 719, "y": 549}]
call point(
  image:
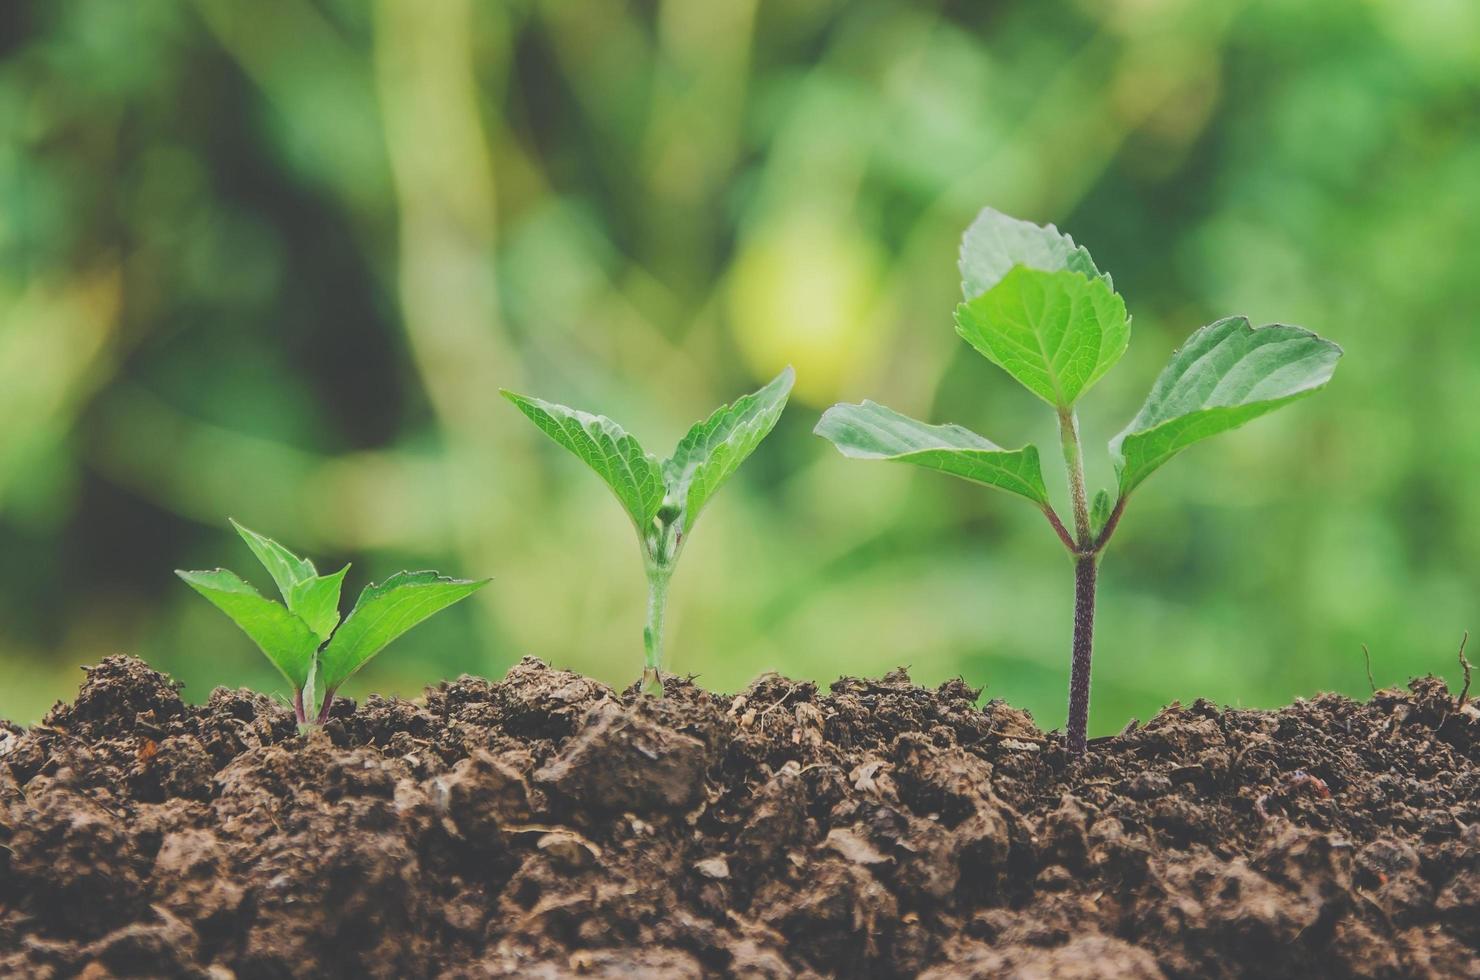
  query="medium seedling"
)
[
  {"x": 1038, "y": 307},
  {"x": 663, "y": 498},
  {"x": 302, "y": 635}
]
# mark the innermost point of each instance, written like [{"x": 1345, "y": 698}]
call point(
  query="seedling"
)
[
  {"x": 1038, "y": 307},
  {"x": 304, "y": 638},
  {"x": 663, "y": 498}
]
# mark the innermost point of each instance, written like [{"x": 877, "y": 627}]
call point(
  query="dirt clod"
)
[{"x": 547, "y": 826}]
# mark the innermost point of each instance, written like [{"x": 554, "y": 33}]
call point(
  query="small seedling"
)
[
  {"x": 663, "y": 498},
  {"x": 1038, "y": 307},
  {"x": 304, "y": 638}
]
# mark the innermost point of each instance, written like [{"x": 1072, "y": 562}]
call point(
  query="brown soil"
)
[{"x": 546, "y": 826}]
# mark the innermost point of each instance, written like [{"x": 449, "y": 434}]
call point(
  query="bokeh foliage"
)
[{"x": 274, "y": 260}]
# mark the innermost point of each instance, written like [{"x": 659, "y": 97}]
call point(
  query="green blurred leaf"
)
[
  {"x": 286, "y": 568},
  {"x": 633, "y": 475},
  {"x": 1056, "y": 333},
  {"x": 382, "y": 613},
  {"x": 1227, "y": 373},
  {"x": 996, "y": 242},
  {"x": 316, "y": 602},
  {"x": 286, "y": 639},
  {"x": 872, "y": 431},
  {"x": 713, "y": 449}
]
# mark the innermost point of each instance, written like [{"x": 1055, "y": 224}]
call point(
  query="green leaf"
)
[
  {"x": 312, "y": 597},
  {"x": 995, "y": 243},
  {"x": 633, "y": 475},
  {"x": 382, "y": 613},
  {"x": 1056, "y": 333},
  {"x": 286, "y": 639},
  {"x": 713, "y": 449},
  {"x": 316, "y": 602},
  {"x": 1227, "y": 373},
  {"x": 1099, "y": 512},
  {"x": 871, "y": 431},
  {"x": 286, "y": 568}
]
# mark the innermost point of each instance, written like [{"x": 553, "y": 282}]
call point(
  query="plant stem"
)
[
  {"x": 1074, "y": 462},
  {"x": 298, "y": 710},
  {"x": 652, "y": 634},
  {"x": 1086, "y": 566},
  {"x": 1110, "y": 524},
  {"x": 324, "y": 711},
  {"x": 1058, "y": 528},
  {"x": 1077, "y": 730}
]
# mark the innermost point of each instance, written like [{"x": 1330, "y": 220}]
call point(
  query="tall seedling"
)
[
  {"x": 1038, "y": 307},
  {"x": 663, "y": 498}
]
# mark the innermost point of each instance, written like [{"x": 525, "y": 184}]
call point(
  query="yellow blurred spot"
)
[{"x": 802, "y": 293}]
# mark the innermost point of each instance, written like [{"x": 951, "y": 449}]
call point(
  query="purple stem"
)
[
  {"x": 324, "y": 711},
  {"x": 1059, "y": 529},
  {"x": 1084, "y": 634}
]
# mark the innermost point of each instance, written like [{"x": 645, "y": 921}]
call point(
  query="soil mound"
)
[{"x": 546, "y": 826}]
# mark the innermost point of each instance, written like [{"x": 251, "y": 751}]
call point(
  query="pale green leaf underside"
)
[
  {"x": 286, "y": 568},
  {"x": 282, "y": 636},
  {"x": 633, "y": 475},
  {"x": 713, "y": 449},
  {"x": 316, "y": 602},
  {"x": 1056, "y": 333},
  {"x": 1227, "y": 373},
  {"x": 996, "y": 242},
  {"x": 382, "y": 613},
  {"x": 872, "y": 431}
]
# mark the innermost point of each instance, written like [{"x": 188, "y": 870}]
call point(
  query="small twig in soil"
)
[
  {"x": 1367, "y": 656},
  {"x": 779, "y": 702},
  {"x": 1464, "y": 665}
]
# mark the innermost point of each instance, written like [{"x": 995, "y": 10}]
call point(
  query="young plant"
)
[
  {"x": 301, "y": 638},
  {"x": 663, "y": 498},
  {"x": 1037, "y": 307}
]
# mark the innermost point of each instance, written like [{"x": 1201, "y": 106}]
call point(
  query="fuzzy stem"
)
[
  {"x": 1077, "y": 730},
  {"x": 652, "y": 634},
  {"x": 1110, "y": 525},
  {"x": 1074, "y": 462},
  {"x": 1059, "y": 529},
  {"x": 1086, "y": 560}
]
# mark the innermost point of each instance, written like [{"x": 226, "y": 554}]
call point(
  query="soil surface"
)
[{"x": 547, "y": 826}]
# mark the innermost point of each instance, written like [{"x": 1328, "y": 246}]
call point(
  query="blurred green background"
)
[{"x": 273, "y": 260}]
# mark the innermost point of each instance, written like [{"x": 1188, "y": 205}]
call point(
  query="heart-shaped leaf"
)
[
  {"x": 872, "y": 431},
  {"x": 996, "y": 242},
  {"x": 633, "y": 475},
  {"x": 1227, "y": 373},
  {"x": 382, "y": 613},
  {"x": 713, "y": 449},
  {"x": 1056, "y": 333},
  {"x": 283, "y": 637}
]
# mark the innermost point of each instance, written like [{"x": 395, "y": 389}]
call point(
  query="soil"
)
[{"x": 547, "y": 826}]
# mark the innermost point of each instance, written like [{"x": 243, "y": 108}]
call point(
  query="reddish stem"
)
[
  {"x": 298, "y": 710},
  {"x": 1110, "y": 523},
  {"x": 1059, "y": 529},
  {"x": 324, "y": 711}
]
